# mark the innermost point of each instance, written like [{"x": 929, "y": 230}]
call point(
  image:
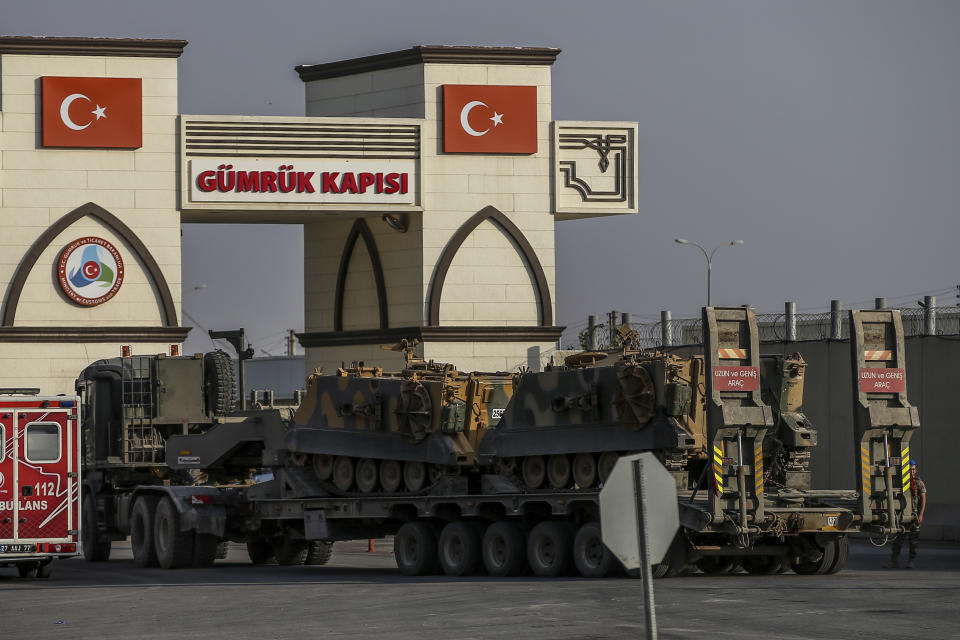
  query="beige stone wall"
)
[
  {"x": 39, "y": 185},
  {"x": 53, "y": 367},
  {"x": 388, "y": 93}
]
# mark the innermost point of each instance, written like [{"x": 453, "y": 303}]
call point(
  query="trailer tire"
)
[
  {"x": 260, "y": 551},
  {"x": 28, "y": 570},
  {"x": 762, "y": 565},
  {"x": 93, "y": 549},
  {"x": 590, "y": 556},
  {"x": 716, "y": 565},
  {"x": 415, "y": 549},
  {"x": 319, "y": 552},
  {"x": 290, "y": 552},
  {"x": 205, "y": 547},
  {"x": 843, "y": 551},
  {"x": 174, "y": 547},
  {"x": 820, "y": 566},
  {"x": 550, "y": 549},
  {"x": 220, "y": 382},
  {"x": 459, "y": 549},
  {"x": 142, "y": 531},
  {"x": 504, "y": 549}
]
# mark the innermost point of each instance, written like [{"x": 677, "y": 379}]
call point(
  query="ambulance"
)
[{"x": 39, "y": 480}]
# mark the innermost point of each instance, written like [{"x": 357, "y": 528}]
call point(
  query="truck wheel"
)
[
  {"x": 220, "y": 381},
  {"x": 290, "y": 552},
  {"x": 590, "y": 555},
  {"x": 415, "y": 549},
  {"x": 223, "y": 548},
  {"x": 174, "y": 547},
  {"x": 45, "y": 569},
  {"x": 550, "y": 549},
  {"x": 504, "y": 549},
  {"x": 820, "y": 566},
  {"x": 260, "y": 551},
  {"x": 762, "y": 565},
  {"x": 459, "y": 549},
  {"x": 93, "y": 549},
  {"x": 716, "y": 565},
  {"x": 319, "y": 552},
  {"x": 843, "y": 551},
  {"x": 28, "y": 569},
  {"x": 141, "y": 531},
  {"x": 205, "y": 548}
]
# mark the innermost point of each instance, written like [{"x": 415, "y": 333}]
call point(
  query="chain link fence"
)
[{"x": 773, "y": 327}]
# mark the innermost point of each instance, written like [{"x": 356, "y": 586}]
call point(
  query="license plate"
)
[{"x": 17, "y": 548}]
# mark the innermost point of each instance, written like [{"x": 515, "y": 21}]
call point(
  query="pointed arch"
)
[
  {"x": 360, "y": 229},
  {"x": 113, "y": 223},
  {"x": 495, "y": 216}
]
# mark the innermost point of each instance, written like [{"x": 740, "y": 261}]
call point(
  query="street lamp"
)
[{"x": 709, "y": 257}]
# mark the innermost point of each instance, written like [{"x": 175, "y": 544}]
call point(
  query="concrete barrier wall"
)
[{"x": 932, "y": 385}]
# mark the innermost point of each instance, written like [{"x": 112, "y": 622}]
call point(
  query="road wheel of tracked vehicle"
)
[
  {"x": 716, "y": 565},
  {"x": 459, "y": 549},
  {"x": 260, "y": 551},
  {"x": 220, "y": 382},
  {"x": 174, "y": 547},
  {"x": 504, "y": 549},
  {"x": 290, "y": 552},
  {"x": 762, "y": 565},
  {"x": 558, "y": 471},
  {"x": 843, "y": 551},
  {"x": 343, "y": 473},
  {"x": 590, "y": 555},
  {"x": 367, "y": 474},
  {"x": 584, "y": 470},
  {"x": 319, "y": 552},
  {"x": 141, "y": 531},
  {"x": 414, "y": 475},
  {"x": 605, "y": 464},
  {"x": 534, "y": 472},
  {"x": 93, "y": 549},
  {"x": 205, "y": 550},
  {"x": 391, "y": 475},
  {"x": 506, "y": 466},
  {"x": 821, "y": 565},
  {"x": 415, "y": 549},
  {"x": 323, "y": 466},
  {"x": 550, "y": 549}
]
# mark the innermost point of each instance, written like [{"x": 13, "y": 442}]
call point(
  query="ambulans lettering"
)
[{"x": 24, "y": 505}]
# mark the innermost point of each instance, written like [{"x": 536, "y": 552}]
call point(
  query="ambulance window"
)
[{"x": 43, "y": 442}]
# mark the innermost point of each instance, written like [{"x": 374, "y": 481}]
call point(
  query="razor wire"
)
[{"x": 772, "y": 327}]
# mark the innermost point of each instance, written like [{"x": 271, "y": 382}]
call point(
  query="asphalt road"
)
[{"x": 361, "y": 595}]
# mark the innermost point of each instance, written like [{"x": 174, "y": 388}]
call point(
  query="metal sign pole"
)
[{"x": 650, "y": 613}]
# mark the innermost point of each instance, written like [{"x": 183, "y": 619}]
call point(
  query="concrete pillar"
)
[
  {"x": 879, "y": 303},
  {"x": 836, "y": 319},
  {"x": 790, "y": 321},
  {"x": 666, "y": 329},
  {"x": 591, "y": 333},
  {"x": 929, "y": 315}
]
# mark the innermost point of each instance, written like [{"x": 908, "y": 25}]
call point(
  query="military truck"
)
[{"x": 470, "y": 470}]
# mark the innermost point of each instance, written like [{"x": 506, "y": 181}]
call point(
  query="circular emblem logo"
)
[{"x": 90, "y": 271}]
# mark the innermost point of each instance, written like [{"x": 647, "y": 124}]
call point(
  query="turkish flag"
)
[
  {"x": 489, "y": 119},
  {"x": 92, "y": 112}
]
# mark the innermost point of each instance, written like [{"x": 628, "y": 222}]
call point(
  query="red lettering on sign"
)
[
  {"x": 330, "y": 182},
  {"x": 207, "y": 181},
  {"x": 349, "y": 183}
]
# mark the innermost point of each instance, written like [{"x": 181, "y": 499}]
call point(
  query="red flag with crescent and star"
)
[
  {"x": 92, "y": 112},
  {"x": 489, "y": 119}
]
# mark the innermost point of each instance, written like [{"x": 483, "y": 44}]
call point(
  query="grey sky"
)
[{"x": 822, "y": 133}]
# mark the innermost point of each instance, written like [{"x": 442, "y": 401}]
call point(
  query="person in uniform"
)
[{"x": 918, "y": 493}]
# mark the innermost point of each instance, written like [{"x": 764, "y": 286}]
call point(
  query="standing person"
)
[{"x": 918, "y": 493}]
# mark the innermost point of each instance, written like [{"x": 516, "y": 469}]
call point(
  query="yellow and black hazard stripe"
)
[
  {"x": 758, "y": 469},
  {"x": 865, "y": 469},
  {"x": 718, "y": 469},
  {"x": 905, "y": 469}
]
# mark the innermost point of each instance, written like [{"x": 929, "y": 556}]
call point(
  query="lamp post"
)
[{"x": 709, "y": 257}]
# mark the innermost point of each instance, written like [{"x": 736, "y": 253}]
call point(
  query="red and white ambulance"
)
[{"x": 39, "y": 480}]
